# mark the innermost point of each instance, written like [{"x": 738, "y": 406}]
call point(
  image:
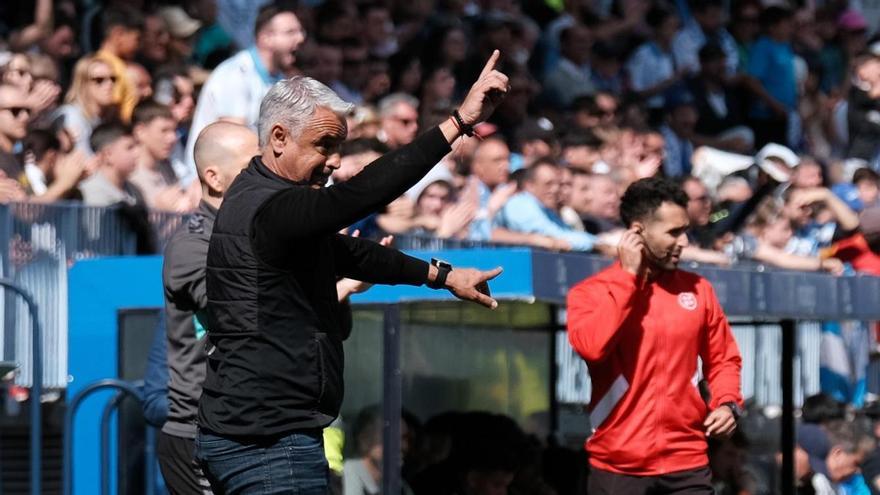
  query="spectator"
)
[
  {"x": 651, "y": 68},
  {"x": 122, "y": 27},
  {"x": 534, "y": 139},
  {"x": 606, "y": 64},
  {"x": 399, "y": 116},
  {"x": 49, "y": 174},
  {"x": 182, "y": 29},
  {"x": 771, "y": 62},
  {"x": 581, "y": 150},
  {"x": 175, "y": 89},
  {"x": 355, "y": 71},
  {"x": 863, "y": 109},
  {"x": 862, "y": 249},
  {"x": 116, "y": 156},
  {"x": 744, "y": 28},
  {"x": 154, "y": 131},
  {"x": 602, "y": 213},
  {"x": 807, "y": 174},
  {"x": 437, "y": 213},
  {"x": 678, "y": 135},
  {"x": 141, "y": 81},
  {"x": 89, "y": 101},
  {"x": 836, "y": 458},
  {"x": 17, "y": 72},
  {"x": 719, "y": 103},
  {"x": 706, "y": 26},
  {"x": 362, "y": 475},
  {"x": 154, "y": 42},
  {"x": 819, "y": 217},
  {"x": 572, "y": 76},
  {"x": 535, "y": 209},
  {"x": 236, "y": 87},
  {"x": 867, "y": 183},
  {"x": 490, "y": 168},
  {"x": 13, "y": 127}
]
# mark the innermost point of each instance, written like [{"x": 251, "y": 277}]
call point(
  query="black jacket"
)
[{"x": 274, "y": 319}]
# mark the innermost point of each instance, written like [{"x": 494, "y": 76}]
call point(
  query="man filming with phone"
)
[{"x": 641, "y": 325}]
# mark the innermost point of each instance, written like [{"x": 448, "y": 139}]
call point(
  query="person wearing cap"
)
[
  {"x": 835, "y": 452},
  {"x": 534, "y": 139},
  {"x": 182, "y": 29},
  {"x": 871, "y": 465}
]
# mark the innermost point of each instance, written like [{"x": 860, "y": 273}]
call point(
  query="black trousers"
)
[
  {"x": 182, "y": 473},
  {"x": 691, "y": 482}
]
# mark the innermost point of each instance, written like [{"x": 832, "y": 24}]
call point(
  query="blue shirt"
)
[
  {"x": 481, "y": 226},
  {"x": 772, "y": 63},
  {"x": 524, "y": 213}
]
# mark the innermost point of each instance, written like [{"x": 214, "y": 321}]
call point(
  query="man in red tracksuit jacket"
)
[{"x": 641, "y": 326}]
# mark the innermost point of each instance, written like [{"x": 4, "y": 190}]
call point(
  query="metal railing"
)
[{"x": 123, "y": 389}]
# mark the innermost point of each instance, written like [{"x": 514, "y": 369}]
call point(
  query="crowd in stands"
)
[{"x": 767, "y": 113}]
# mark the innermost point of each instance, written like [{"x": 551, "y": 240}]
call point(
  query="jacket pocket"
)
[{"x": 329, "y": 370}]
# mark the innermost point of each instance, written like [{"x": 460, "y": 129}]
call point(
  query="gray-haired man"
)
[{"x": 274, "y": 375}]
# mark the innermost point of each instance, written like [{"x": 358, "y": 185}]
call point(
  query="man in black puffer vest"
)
[{"x": 274, "y": 375}]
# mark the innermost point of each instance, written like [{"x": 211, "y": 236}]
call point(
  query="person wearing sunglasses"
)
[
  {"x": 89, "y": 100},
  {"x": 13, "y": 128}
]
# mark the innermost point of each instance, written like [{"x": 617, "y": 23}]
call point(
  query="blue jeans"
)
[{"x": 291, "y": 464}]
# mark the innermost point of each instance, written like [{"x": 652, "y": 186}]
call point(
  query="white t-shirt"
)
[{"x": 235, "y": 90}]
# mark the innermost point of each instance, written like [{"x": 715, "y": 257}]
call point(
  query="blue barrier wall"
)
[{"x": 99, "y": 288}]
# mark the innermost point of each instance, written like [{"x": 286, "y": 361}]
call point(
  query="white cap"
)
[
  {"x": 774, "y": 169},
  {"x": 712, "y": 165}
]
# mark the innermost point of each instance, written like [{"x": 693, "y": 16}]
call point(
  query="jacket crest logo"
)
[{"x": 687, "y": 300}]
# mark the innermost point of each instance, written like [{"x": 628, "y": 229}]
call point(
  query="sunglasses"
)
[
  {"x": 102, "y": 79},
  {"x": 17, "y": 111}
]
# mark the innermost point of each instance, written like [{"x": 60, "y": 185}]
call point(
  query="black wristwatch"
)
[
  {"x": 443, "y": 269},
  {"x": 734, "y": 408}
]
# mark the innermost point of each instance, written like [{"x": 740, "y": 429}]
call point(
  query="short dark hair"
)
[
  {"x": 147, "y": 111},
  {"x": 821, "y": 408},
  {"x": 531, "y": 171},
  {"x": 865, "y": 174},
  {"x": 269, "y": 11},
  {"x": 122, "y": 16},
  {"x": 581, "y": 138},
  {"x": 773, "y": 15},
  {"x": 657, "y": 16},
  {"x": 106, "y": 134},
  {"x": 643, "y": 197},
  {"x": 39, "y": 142},
  {"x": 363, "y": 145},
  {"x": 698, "y": 6},
  {"x": 711, "y": 51}
]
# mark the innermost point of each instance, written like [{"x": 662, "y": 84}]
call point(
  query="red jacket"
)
[{"x": 641, "y": 343}]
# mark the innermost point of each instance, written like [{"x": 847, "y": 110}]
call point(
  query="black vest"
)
[{"x": 277, "y": 361}]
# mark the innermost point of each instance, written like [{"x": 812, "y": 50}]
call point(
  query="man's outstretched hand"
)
[
  {"x": 469, "y": 284},
  {"x": 486, "y": 93}
]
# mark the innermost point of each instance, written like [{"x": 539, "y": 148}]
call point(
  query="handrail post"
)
[
  {"x": 36, "y": 392},
  {"x": 108, "y": 383}
]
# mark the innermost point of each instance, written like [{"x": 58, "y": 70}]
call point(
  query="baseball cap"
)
[
  {"x": 180, "y": 24},
  {"x": 852, "y": 20},
  {"x": 771, "y": 167}
]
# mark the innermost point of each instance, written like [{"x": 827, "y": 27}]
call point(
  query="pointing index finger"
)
[{"x": 490, "y": 65}]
